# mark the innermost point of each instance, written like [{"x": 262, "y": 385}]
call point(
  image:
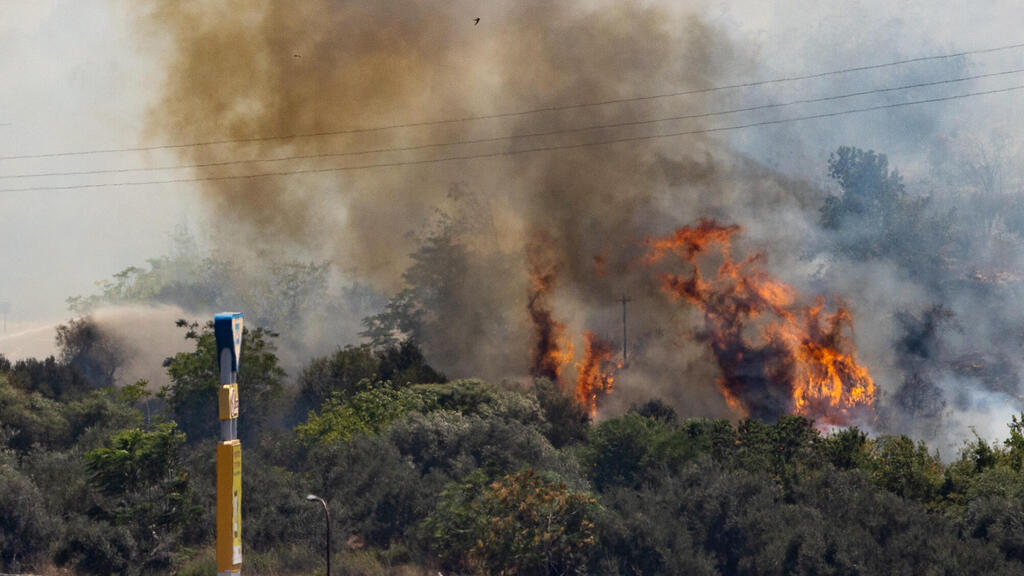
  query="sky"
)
[
  {"x": 75, "y": 78},
  {"x": 79, "y": 75}
]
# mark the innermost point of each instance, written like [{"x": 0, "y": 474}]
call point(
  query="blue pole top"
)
[{"x": 227, "y": 328}]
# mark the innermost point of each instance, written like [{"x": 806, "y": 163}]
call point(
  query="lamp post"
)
[{"x": 327, "y": 515}]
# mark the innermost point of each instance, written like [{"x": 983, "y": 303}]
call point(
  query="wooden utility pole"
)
[{"x": 625, "y": 355}]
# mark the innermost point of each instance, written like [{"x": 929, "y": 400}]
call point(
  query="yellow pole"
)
[
  {"x": 228, "y": 331},
  {"x": 229, "y": 507}
]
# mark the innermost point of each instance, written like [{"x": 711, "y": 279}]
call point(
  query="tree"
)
[
  {"x": 905, "y": 469},
  {"x": 26, "y": 527},
  {"x": 870, "y": 189},
  {"x": 195, "y": 381},
  {"x": 873, "y": 217},
  {"x": 657, "y": 410},
  {"x": 567, "y": 420},
  {"x": 351, "y": 370},
  {"x": 431, "y": 283},
  {"x": 450, "y": 305},
  {"x": 785, "y": 450},
  {"x": 143, "y": 495},
  {"x": 521, "y": 524},
  {"x": 846, "y": 449},
  {"x": 451, "y": 445},
  {"x": 275, "y": 292},
  {"x": 50, "y": 378},
  {"x": 405, "y": 364},
  {"x": 367, "y": 412},
  {"x": 86, "y": 348},
  {"x": 620, "y": 451},
  {"x": 343, "y": 374},
  {"x": 1015, "y": 443},
  {"x": 374, "y": 491},
  {"x": 29, "y": 418}
]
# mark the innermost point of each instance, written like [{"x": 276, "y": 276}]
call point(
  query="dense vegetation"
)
[
  {"x": 426, "y": 475},
  {"x": 470, "y": 477}
]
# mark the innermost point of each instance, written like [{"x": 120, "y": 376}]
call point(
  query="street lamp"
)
[{"x": 327, "y": 515}]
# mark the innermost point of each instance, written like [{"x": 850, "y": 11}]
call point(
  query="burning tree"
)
[
  {"x": 594, "y": 376},
  {"x": 777, "y": 352},
  {"x": 553, "y": 349}
]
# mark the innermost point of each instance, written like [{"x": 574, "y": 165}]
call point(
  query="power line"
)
[
  {"x": 521, "y": 112},
  {"x": 322, "y": 155},
  {"x": 522, "y": 150}
]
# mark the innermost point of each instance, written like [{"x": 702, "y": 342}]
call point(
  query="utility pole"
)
[
  {"x": 227, "y": 328},
  {"x": 624, "y": 300},
  {"x": 5, "y": 307}
]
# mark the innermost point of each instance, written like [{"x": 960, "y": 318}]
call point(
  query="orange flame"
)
[
  {"x": 594, "y": 376},
  {"x": 800, "y": 362},
  {"x": 687, "y": 242},
  {"x": 552, "y": 350}
]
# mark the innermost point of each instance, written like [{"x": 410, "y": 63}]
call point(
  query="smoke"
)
[
  {"x": 143, "y": 336},
  {"x": 26, "y": 340},
  {"x": 116, "y": 345},
  {"x": 240, "y": 70},
  {"x": 537, "y": 247}
]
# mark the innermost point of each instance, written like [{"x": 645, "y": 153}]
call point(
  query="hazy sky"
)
[
  {"x": 74, "y": 78},
  {"x": 76, "y": 75}
]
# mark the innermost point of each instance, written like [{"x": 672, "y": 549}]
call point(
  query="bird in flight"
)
[{"x": 476, "y": 21}]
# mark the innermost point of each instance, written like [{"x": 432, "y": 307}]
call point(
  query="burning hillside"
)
[
  {"x": 380, "y": 151},
  {"x": 777, "y": 352}
]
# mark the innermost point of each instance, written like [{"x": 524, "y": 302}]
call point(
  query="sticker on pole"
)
[{"x": 227, "y": 327}]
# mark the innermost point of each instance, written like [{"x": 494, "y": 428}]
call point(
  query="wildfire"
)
[
  {"x": 777, "y": 353},
  {"x": 552, "y": 350},
  {"x": 594, "y": 375}
]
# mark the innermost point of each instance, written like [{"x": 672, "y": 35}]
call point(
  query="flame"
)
[
  {"x": 687, "y": 242},
  {"x": 799, "y": 358},
  {"x": 732, "y": 400},
  {"x": 552, "y": 350},
  {"x": 594, "y": 376}
]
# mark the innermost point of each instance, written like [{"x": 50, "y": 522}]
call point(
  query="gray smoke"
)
[{"x": 237, "y": 70}]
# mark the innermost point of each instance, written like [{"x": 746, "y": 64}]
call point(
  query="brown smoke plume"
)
[
  {"x": 243, "y": 69},
  {"x": 238, "y": 70}
]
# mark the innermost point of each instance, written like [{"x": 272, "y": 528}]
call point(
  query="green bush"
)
[
  {"x": 519, "y": 524},
  {"x": 26, "y": 527}
]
